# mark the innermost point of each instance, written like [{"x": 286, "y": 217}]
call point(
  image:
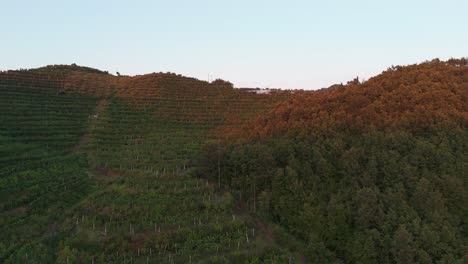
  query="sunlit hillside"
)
[{"x": 162, "y": 168}]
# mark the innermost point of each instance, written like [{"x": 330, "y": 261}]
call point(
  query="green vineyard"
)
[
  {"x": 97, "y": 169},
  {"x": 161, "y": 168}
]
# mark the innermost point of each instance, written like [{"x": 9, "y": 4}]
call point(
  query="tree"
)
[
  {"x": 369, "y": 212},
  {"x": 366, "y": 247},
  {"x": 403, "y": 251},
  {"x": 222, "y": 83}
]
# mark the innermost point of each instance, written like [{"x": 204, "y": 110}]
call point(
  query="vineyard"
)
[
  {"x": 162, "y": 168},
  {"x": 39, "y": 177},
  {"x": 98, "y": 169}
]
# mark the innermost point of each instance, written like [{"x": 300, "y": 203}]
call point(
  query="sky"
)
[{"x": 270, "y": 44}]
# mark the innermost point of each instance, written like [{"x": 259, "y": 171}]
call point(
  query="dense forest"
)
[{"x": 367, "y": 172}]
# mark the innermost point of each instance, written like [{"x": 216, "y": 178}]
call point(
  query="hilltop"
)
[{"x": 416, "y": 97}]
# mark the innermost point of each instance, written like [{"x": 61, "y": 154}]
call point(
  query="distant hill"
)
[{"x": 413, "y": 97}]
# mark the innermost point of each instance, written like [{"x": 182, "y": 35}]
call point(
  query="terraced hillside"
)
[
  {"x": 96, "y": 169},
  {"x": 40, "y": 177}
]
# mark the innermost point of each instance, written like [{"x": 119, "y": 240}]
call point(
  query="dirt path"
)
[
  {"x": 107, "y": 172},
  {"x": 266, "y": 230},
  {"x": 260, "y": 224},
  {"x": 270, "y": 237},
  {"x": 84, "y": 139}
]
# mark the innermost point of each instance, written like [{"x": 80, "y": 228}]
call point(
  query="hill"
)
[
  {"x": 372, "y": 172},
  {"x": 96, "y": 168},
  {"x": 411, "y": 97},
  {"x": 162, "y": 168}
]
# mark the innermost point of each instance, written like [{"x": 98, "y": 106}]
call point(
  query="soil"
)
[
  {"x": 107, "y": 172},
  {"x": 84, "y": 139}
]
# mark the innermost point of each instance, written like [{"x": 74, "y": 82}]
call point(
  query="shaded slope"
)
[{"x": 39, "y": 177}]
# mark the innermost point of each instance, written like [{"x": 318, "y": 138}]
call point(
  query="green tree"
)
[{"x": 403, "y": 251}]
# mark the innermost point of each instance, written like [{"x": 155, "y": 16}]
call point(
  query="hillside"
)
[
  {"x": 372, "y": 172},
  {"x": 412, "y": 97},
  {"x": 96, "y": 168},
  {"x": 162, "y": 168}
]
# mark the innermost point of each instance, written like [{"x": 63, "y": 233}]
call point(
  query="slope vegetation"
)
[
  {"x": 97, "y": 170},
  {"x": 39, "y": 176},
  {"x": 372, "y": 172},
  {"x": 413, "y": 97}
]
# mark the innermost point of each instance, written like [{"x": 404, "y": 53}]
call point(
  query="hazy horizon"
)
[{"x": 268, "y": 44}]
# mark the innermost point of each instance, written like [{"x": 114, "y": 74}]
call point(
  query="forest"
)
[
  {"x": 371, "y": 172},
  {"x": 162, "y": 168}
]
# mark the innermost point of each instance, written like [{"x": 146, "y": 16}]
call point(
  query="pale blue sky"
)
[{"x": 288, "y": 44}]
